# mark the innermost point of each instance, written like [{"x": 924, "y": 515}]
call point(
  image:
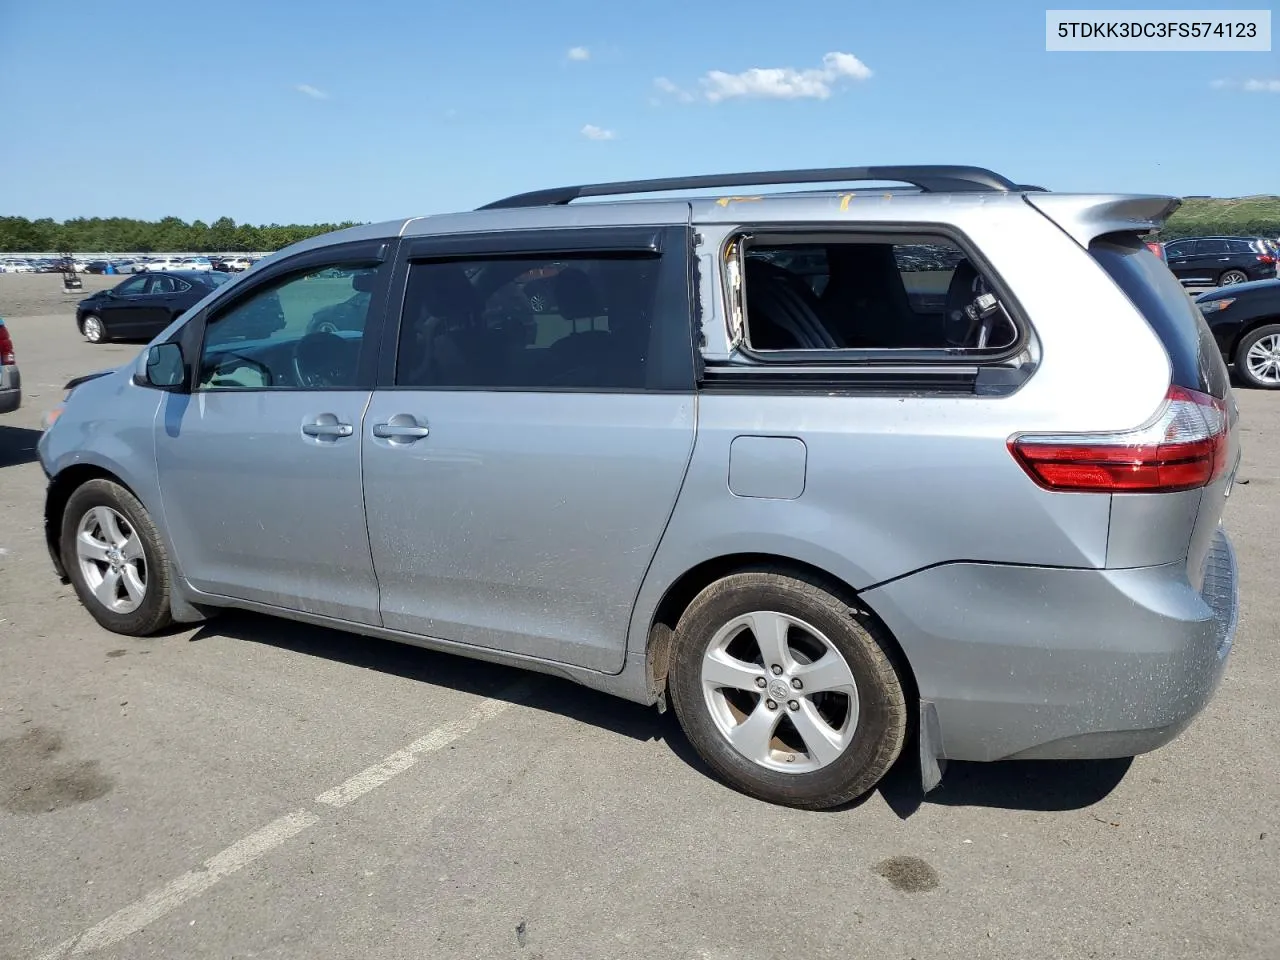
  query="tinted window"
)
[
  {"x": 1242, "y": 246},
  {"x": 301, "y": 332},
  {"x": 132, "y": 286},
  {"x": 1210, "y": 247},
  {"x": 1178, "y": 249},
  {"x": 541, "y": 323},
  {"x": 1197, "y": 363}
]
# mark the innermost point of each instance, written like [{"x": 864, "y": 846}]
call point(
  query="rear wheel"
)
[
  {"x": 94, "y": 330},
  {"x": 1231, "y": 277},
  {"x": 116, "y": 559},
  {"x": 786, "y": 691},
  {"x": 1258, "y": 357}
]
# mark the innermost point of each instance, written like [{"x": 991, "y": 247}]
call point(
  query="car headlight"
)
[{"x": 1210, "y": 307}]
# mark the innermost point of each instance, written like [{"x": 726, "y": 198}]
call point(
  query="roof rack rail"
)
[{"x": 930, "y": 179}]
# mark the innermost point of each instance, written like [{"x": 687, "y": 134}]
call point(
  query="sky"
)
[{"x": 321, "y": 111}]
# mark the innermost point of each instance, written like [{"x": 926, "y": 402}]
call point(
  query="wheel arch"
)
[
  {"x": 66, "y": 482},
  {"x": 1248, "y": 327},
  {"x": 677, "y": 597},
  {"x": 60, "y": 489}
]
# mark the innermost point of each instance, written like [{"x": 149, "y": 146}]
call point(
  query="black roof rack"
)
[{"x": 930, "y": 179}]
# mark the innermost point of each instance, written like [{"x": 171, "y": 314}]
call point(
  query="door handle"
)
[
  {"x": 399, "y": 431},
  {"x": 1223, "y": 259},
  {"x": 322, "y": 429},
  {"x": 402, "y": 428}
]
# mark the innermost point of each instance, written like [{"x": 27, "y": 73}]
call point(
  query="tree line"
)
[
  {"x": 1248, "y": 217},
  {"x": 122, "y": 234}
]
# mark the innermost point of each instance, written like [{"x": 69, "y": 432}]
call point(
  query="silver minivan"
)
[{"x": 836, "y": 472}]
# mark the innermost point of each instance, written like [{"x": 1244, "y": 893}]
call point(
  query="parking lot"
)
[{"x": 256, "y": 788}]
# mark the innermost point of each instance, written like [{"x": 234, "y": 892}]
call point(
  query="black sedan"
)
[
  {"x": 1245, "y": 320},
  {"x": 143, "y": 305}
]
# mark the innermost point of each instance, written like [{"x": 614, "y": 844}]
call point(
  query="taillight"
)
[
  {"x": 1184, "y": 446},
  {"x": 1266, "y": 258},
  {"x": 6, "y": 346}
]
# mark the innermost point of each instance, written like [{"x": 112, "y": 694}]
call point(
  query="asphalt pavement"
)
[{"x": 255, "y": 788}]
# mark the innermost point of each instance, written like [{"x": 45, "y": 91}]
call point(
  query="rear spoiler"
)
[{"x": 1084, "y": 217}]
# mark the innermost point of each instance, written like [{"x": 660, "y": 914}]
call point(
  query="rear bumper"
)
[
  {"x": 10, "y": 389},
  {"x": 1035, "y": 662}
]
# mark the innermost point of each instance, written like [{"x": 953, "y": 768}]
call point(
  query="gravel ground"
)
[{"x": 258, "y": 788}]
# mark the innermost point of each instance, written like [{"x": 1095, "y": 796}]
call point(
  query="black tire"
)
[
  {"x": 86, "y": 328},
  {"x": 1242, "y": 352},
  {"x": 1232, "y": 277},
  {"x": 153, "y": 613},
  {"x": 882, "y": 712}
]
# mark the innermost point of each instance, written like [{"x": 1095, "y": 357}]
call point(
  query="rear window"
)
[{"x": 1152, "y": 288}]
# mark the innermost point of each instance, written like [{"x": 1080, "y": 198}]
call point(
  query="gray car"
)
[{"x": 835, "y": 473}]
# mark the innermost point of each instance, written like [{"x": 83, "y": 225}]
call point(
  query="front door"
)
[
  {"x": 260, "y": 464},
  {"x": 120, "y": 310},
  {"x": 524, "y": 457}
]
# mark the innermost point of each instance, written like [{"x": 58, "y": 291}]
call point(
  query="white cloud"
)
[
  {"x": 669, "y": 88},
  {"x": 592, "y": 132},
  {"x": 773, "y": 83},
  {"x": 311, "y": 91},
  {"x": 1248, "y": 86},
  {"x": 579, "y": 53},
  {"x": 785, "y": 83}
]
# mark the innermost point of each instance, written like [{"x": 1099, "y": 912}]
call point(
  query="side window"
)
[
  {"x": 303, "y": 331},
  {"x": 132, "y": 286},
  {"x": 1242, "y": 246},
  {"x": 917, "y": 293},
  {"x": 541, "y": 323},
  {"x": 1205, "y": 248}
]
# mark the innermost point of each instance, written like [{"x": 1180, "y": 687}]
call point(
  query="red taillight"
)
[
  {"x": 1183, "y": 447},
  {"x": 1266, "y": 258},
  {"x": 6, "y": 346}
]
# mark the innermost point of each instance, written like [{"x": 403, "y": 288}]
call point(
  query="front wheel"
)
[
  {"x": 1258, "y": 357},
  {"x": 116, "y": 559},
  {"x": 94, "y": 330},
  {"x": 1232, "y": 277},
  {"x": 786, "y": 691}
]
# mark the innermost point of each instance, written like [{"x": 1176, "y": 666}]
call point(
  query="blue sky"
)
[{"x": 322, "y": 111}]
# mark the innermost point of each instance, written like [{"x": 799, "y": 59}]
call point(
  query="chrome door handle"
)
[
  {"x": 327, "y": 429},
  {"x": 399, "y": 431},
  {"x": 1223, "y": 259}
]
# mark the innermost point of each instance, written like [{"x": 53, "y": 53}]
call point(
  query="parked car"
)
[
  {"x": 1220, "y": 261},
  {"x": 236, "y": 264},
  {"x": 143, "y": 305},
  {"x": 15, "y": 266},
  {"x": 1245, "y": 321},
  {"x": 164, "y": 263},
  {"x": 195, "y": 263},
  {"x": 10, "y": 377},
  {"x": 986, "y": 524}
]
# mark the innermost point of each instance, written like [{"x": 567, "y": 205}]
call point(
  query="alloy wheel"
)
[
  {"x": 780, "y": 692},
  {"x": 112, "y": 562},
  {"x": 1263, "y": 359}
]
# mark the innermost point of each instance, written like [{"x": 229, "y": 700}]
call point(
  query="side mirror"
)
[{"x": 165, "y": 367}]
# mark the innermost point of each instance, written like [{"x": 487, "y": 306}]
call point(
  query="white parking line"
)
[
  {"x": 129, "y": 920},
  {"x": 126, "y": 922},
  {"x": 402, "y": 760}
]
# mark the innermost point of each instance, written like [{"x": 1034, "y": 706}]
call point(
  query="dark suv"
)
[{"x": 1221, "y": 261}]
